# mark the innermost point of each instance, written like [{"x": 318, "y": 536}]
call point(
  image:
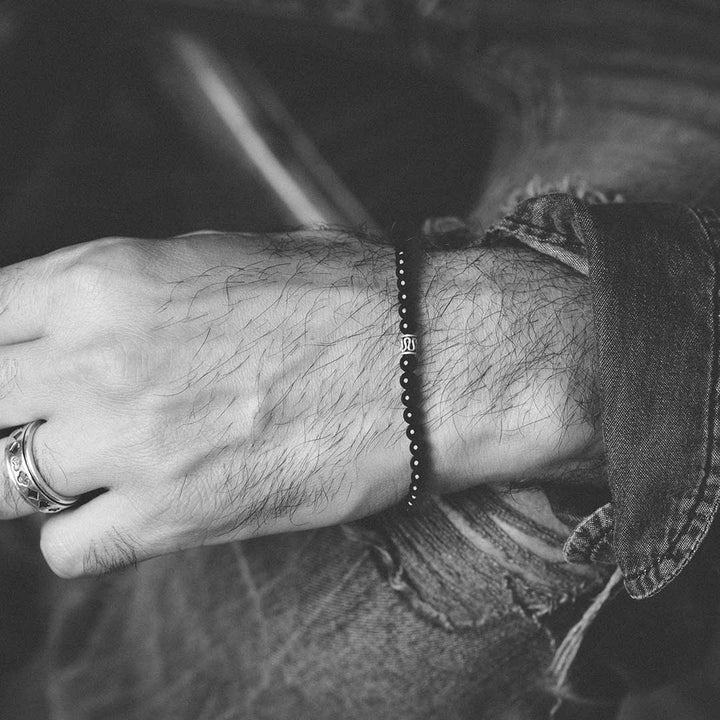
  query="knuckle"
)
[
  {"x": 94, "y": 265},
  {"x": 108, "y": 252},
  {"x": 115, "y": 364}
]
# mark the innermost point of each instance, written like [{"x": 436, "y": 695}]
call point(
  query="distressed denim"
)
[{"x": 444, "y": 615}]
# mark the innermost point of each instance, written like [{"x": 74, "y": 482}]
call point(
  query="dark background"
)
[{"x": 89, "y": 146}]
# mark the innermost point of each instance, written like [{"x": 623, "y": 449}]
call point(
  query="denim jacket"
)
[{"x": 653, "y": 270}]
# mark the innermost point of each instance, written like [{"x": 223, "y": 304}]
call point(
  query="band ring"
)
[{"x": 24, "y": 473}]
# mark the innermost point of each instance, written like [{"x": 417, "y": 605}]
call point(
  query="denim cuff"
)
[{"x": 653, "y": 270}]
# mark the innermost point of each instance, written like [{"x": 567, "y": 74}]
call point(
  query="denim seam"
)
[
  {"x": 707, "y": 219},
  {"x": 593, "y": 542},
  {"x": 538, "y": 232}
]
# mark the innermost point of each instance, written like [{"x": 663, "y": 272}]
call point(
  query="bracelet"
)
[{"x": 406, "y": 273}]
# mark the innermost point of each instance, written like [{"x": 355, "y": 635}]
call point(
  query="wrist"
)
[{"x": 507, "y": 366}]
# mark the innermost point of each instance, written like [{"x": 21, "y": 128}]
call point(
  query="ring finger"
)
[{"x": 36, "y": 468}]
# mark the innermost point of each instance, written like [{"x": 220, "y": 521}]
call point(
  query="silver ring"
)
[{"x": 24, "y": 473}]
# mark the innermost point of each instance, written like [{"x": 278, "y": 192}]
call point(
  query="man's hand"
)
[{"x": 213, "y": 387}]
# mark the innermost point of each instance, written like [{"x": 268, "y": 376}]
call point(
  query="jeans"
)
[{"x": 452, "y": 614}]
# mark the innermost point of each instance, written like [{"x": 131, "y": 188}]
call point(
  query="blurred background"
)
[{"x": 152, "y": 119}]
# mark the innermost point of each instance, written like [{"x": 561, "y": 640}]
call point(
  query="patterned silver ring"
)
[{"x": 24, "y": 473}]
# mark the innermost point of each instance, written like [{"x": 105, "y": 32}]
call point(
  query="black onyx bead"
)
[
  {"x": 403, "y": 297},
  {"x": 400, "y": 271},
  {"x": 411, "y": 432},
  {"x": 408, "y": 381},
  {"x": 406, "y": 399},
  {"x": 416, "y": 476},
  {"x": 403, "y": 311},
  {"x": 401, "y": 283},
  {"x": 415, "y": 462},
  {"x": 407, "y": 327},
  {"x": 408, "y": 362},
  {"x": 415, "y": 448},
  {"x": 409, "y": 415}
]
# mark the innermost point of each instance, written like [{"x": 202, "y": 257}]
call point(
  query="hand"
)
[{"x": 214, "y": 387}]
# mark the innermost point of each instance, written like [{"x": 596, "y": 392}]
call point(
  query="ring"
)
[{"x": 23, "y": 471}]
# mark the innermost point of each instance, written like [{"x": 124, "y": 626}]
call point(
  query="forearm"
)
[
  {"x": 506, "y": 373},
  {"x": 505, "y": 376}
]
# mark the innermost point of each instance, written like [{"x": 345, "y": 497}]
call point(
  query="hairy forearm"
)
[
  {"x": 226, "y": 386},
  {"x": 506, "y": 374}
]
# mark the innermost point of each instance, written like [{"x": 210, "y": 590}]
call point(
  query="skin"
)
[{"x": 214, "y": 387}]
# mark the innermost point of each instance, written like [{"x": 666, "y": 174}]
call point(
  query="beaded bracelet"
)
[{"x": 406, "y": 272}]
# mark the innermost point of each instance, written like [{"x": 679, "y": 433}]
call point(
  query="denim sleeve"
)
[{"x": 653, "y": 270}]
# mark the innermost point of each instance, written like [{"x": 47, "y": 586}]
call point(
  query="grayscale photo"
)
[{"x": 359, "y": 360}]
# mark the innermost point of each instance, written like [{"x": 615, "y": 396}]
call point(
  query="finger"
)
[
  {"x": 67, "y": 462},
  {"x": 24, "y": 298},
  {"x": 106, "y": 534},
  {"x": 29, "y": 382},
  {"x": 72, "y": 457},
  {"x": 13, "y": 498},
  {"x": 12, "y": 503}
]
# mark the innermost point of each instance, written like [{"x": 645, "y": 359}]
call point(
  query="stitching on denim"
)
[
  {"x": 596, "y": 522},
  {"x": 538, "y": 232},
  {"x": 590, "y": 549},
  {"x": 706, "y": 218},
  {"x": 578, "y": 190},
  {"x": 600, "y": 537}
]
